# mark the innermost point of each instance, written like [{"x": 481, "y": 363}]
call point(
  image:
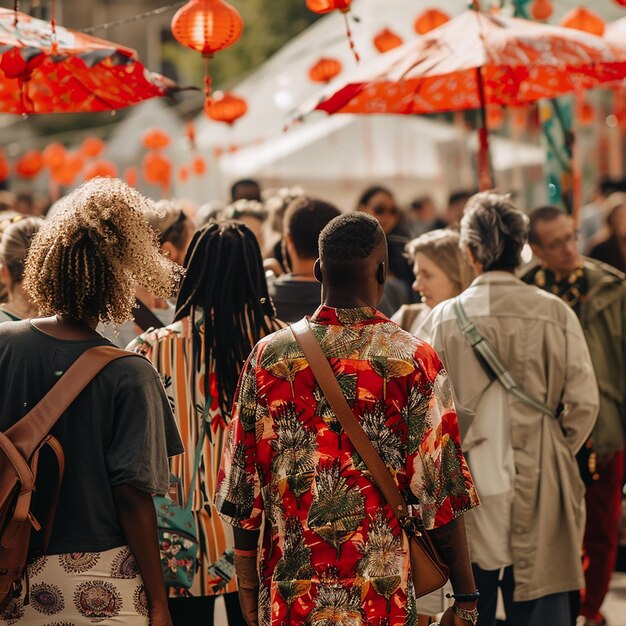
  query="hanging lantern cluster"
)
[
  {"x": 541, "y": 10},
  {"x": 429, "y": 20},
  {"x": 227, "y": 108},
  {"x": 324, "y": 70},
  {"x": 585, "y": 20},
  {"x": 387, "y": 40},
  {"x": 207, "y": 26},
  {"x": 322, "y": 7}
]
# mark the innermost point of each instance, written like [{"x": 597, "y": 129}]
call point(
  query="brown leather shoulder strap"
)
[
  {"x": 330, "y": 387},
  {"x": 27, "y": 433}
]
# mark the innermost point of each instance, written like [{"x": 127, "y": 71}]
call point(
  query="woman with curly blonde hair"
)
[{"x": 102, "y": 561}]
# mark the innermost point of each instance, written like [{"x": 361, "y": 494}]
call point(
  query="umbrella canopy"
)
[
  {"x": 46, "y": 70},
  {"x": 512, "y": 61}
]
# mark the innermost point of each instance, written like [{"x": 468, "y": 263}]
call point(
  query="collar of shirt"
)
[{"x": 347, "y": 317}]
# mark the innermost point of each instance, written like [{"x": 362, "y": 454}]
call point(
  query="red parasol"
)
[
  {"x": 472, "y": 61},
  {"x": 46, "y": 69}
]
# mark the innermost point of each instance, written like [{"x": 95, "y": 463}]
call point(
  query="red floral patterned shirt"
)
[{"x": 333, "y": 551}]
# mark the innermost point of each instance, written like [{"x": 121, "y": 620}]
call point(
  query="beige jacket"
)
[{"x": 540, "y": 340}]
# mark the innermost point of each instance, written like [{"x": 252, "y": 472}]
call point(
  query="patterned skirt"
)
[{"x": 81, "y": 588}]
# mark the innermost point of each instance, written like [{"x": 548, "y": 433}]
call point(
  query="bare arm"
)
[
  {"x": 138, "y": 520},
  {"x": 451, "y": 542},
  {"x": 246, "y": 543}
]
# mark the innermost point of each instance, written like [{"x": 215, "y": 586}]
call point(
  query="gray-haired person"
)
[{"x": 526, "y": 537}]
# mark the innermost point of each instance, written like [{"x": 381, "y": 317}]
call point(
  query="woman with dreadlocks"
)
[{"x": 223, "y": 309}]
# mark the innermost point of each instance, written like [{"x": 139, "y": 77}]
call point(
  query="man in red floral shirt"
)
[{"x": 333, "y": 552}]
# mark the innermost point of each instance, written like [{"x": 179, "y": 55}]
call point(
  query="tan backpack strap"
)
[
  {"x": 28, "y": 432},
  {"x": 327, "y": 381}
]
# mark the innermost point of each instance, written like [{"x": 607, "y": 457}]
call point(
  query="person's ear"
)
[
  {"x": 381, "y": 273},
  {"x": 317, "y": 271},
  {"x": 5, "y": 277}
]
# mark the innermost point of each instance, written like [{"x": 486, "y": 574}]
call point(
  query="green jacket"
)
[{"x": 603, "y": 318}]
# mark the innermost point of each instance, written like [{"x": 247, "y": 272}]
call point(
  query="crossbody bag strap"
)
[
  {"x": 327, "y": 381},
  {"x": 491, "y": 360},
  {"x": 27, "y": 433}
]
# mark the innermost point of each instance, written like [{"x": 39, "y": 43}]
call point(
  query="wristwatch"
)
[{"x": 470, "y": 616}]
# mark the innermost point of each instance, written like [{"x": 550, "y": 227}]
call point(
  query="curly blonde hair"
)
[{"x": 85, "y": 262}]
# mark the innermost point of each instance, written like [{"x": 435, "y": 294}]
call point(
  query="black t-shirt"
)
[
  {"x": 293, "y": 298},
  {"x": 120, "y": 430}
]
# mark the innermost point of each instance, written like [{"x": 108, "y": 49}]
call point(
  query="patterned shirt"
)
[{"x": 333, "y": 551}]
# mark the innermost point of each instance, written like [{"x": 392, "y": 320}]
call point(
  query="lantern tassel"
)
[
  {"x": 357, "y": 58},
  {"x": 208, "y": 83}
]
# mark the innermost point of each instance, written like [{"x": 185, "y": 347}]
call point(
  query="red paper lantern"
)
[
  {"x": 326, "y": 6},
  {"x": 585, "y": 20},
  {"x": 387, "y": 40},
  {"x": 29, "y": 164},
  {"x": 92, "y": 147},
  {"x": 541, "y": 10},
  {"x": 198, "y": 165},
  {"x": 102, "y": 168},
  {"x": 54, "y": 155},
  {"x": 429, "y": 20},
  {"x": 157, "y": 169},
  {"x": 228, "y": 109},
  {"x": 155, "y": 139},
  {"x": 324, "y": 70},
  {"x": 207, "y": 26},
  {"x": 131, "y": 176}
]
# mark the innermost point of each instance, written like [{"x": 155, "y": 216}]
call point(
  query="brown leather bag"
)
[
  {"x": 428, "y": 571},
  {"x": 20, "y": 446}
]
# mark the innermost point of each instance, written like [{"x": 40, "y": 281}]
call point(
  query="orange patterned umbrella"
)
[
  {"x": 474, "y": 60},
  {"x": 46, "y": 69}
]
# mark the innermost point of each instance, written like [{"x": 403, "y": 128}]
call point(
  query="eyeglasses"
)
[{"x": 558, "y": 244}]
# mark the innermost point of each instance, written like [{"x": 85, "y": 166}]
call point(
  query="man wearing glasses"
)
[{"x": 597, "y": 294}]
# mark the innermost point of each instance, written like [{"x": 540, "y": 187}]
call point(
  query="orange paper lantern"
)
[
  {"x": 541, "y": 10},
  {"x": 429, "y": 20},
  {"x": 387, "y": 40},
  {"x": 131, "y": 176},
  {"x": 155, "y": 139},
  {"x": 29, "y": 164},
  {"x": 75, "y": 161},
  {"x": 92, "y": 147},
  {"x": 104, "y": 169},
  {"x": 54, "y": 155},
  {"x": 198, "y": 165},
  {"x": 326, "y": 6},
  {"x": 207, "y": 26},
  {"x": 324, "y": 70},
  {"x": 585, "y": 20},
  {"x": 586, "y": 114},
  {"x": 183, "y": 173},
  {"x": 228, "y": 109},
  {"x": 157, "y": 169},
  {"x": 64, "y": 175}
]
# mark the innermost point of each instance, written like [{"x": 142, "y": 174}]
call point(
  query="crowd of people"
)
[{"x": 491, "y": 386}]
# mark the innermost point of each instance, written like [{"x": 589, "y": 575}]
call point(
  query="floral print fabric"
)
[
  {"x": 81, "y": 588},
  {"x": 333, "y": 551}
]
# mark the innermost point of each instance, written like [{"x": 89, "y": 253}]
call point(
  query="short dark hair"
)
[
  {"x": 245, "y": 182},
  {"x": 350, "y": 237},
  {"x": 458, "y": 196},
  {"x": 305, "y": 219},
  {"x": 370, "y": 192},
  {"x": 542, "y": 214}
]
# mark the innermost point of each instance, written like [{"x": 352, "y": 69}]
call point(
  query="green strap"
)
[
  {"x": 197, "y": 459},
  {"x": 489, "y": 357}
]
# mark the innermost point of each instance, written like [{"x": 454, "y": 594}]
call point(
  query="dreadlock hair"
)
[
  {"x": 225, "y": 279},
  {"x": 86, "y": 261}
]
